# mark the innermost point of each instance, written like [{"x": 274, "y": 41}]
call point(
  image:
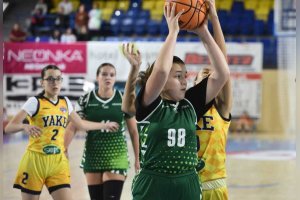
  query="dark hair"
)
[
  {"x": 144, "y": 75},
  {"x": 44, "y": 72},
  {"x": 104, "y": 65},
  {"x": 47, "y": 68}
]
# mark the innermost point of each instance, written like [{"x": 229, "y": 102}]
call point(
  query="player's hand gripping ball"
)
[{"x": 195, "y": 12}]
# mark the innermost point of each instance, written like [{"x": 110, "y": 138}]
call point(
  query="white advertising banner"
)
[{"x": 245, "y": 62}]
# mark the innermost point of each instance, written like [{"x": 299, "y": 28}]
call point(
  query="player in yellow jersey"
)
[
  {"x": 44, "y": 162},
  {"x": 213, "y": 127}
]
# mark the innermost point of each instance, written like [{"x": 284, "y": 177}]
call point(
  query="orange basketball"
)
[{"x": 194, "y": 13}]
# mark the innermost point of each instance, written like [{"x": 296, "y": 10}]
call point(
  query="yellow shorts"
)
[
  {"x": 215, "y": 190},
  {"x": 36, "y": 170}
]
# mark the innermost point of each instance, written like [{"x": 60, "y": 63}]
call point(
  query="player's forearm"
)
[
  {"x": 134, "y": 135},
  {"x": 165, "y": 58},
  {"x": 161, "y": 70},
  {"x": 88, "y": 125},
  {"x": 129, "y": 95},
  {"x": 218, "y": 34},
  {"x": 135, "y": 144},
  {"x": 69, "y": 134},
  {"x": 216, "y": 56},
  {"x": 13, "y": 127}
]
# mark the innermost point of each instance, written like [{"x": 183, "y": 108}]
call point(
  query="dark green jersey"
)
[
  {"x": 103, "y": 150},
  {"x": 167, "y": 132},
  {"x": 168, "y": 140}
]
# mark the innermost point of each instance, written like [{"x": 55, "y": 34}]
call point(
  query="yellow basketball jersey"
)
[
  {"x": 212, "y": 133},
  {"x": 52, "y": 119}
]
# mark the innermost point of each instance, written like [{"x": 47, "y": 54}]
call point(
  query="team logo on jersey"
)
[
  {"x": 51, "y": 149},
  {"x": 104, "y": 106},
  {"x": 63, "y": 109}
]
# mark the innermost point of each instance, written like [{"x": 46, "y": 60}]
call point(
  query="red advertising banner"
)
[{"x": 29, "y": 58}]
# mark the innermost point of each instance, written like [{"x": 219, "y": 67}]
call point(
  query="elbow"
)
[
  {"x": 129, "y": 111},
  {"x": 79, "y": 126},
  {"x": 6, "y": 130},
  {"x": 225, "y": 74}
]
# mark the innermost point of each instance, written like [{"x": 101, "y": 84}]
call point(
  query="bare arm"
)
[
  {"x": 69, "y": 134},
  {"x": 134, "y": 136},
  {"x": 129, "y": 94},
  {"x": 88, "y": 125},
  {"x": 163, "y": 63},
  {"x": 16, "y": 124},
  {"x": 225, "y": 97},
  {"x": 220, "y": 75}
]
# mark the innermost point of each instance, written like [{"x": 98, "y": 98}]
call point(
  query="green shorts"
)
[{"x": 150, "y": 185}]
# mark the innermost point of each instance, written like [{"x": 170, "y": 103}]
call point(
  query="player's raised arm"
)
[
  {"x": 225, "y": 96},
  {"x": 163, "y": 63},
  {"x": 217, "y": 79},
  {"x": 134, "y": 58}
]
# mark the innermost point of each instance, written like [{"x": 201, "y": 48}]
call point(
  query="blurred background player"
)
[
  {"x": 105, "y": 157},
  {"x": 244, "y": 123},
  {"x": 213, "y": 126},
  {"x": 44, "y": 162}
]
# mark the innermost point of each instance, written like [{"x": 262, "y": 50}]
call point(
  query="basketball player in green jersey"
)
[
  {"x": 44, "y": 162},
  {"x": 213, "y": 126},
  {"x": 168, "y": 115},
  {"x": 105, "y": 157}
]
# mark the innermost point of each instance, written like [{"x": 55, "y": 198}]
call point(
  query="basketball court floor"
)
[{"x": 260, "y": 166}]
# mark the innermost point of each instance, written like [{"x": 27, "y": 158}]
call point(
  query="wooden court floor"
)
[{"x": 260, "y": 167}]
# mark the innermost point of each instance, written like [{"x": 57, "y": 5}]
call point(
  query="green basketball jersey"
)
[
  {"x": 167, "y": 137},
  {"x": 103, "y": 150}
]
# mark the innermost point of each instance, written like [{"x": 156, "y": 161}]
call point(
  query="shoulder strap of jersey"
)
[{"x": 38, "y": 105}]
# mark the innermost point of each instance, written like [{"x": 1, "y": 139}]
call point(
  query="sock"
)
[
  {"x": 96, "y": 191},
  {"x": 112, "y": 189}
]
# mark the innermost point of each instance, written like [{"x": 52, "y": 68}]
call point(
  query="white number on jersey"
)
[
  {"x": 176, "y": 137},
  {"x": 102, "y": 130}
]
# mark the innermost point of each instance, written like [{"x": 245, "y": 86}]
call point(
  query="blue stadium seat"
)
[
  {"x": 233, "y": 23},
  {"x": 127, "y": 26},
  {"x": 105, "y": 29},
  {"x": 270, "y": 23},
  {"x": 44, "y": 39},
  {"x": 132, "y": 13},
  {"x": 115, "y": 24},
  {"x": 140, "y": 26},
  {"x": 72, "y": 23},
  {"x": 153, "y": 27},
  {"x": 247, "y": 22},
  {"x": 164, "y": 30},
  {"x": 223, "y": 17},
  {"x": 144, "y": 14},
  {"x": 50, "y": 20},
  {"x": 270, "y": 51},
  {"x": 237, "y": 7},
  {"x": 259, "y": 27},
  {"x": 30, "y": 38}
]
